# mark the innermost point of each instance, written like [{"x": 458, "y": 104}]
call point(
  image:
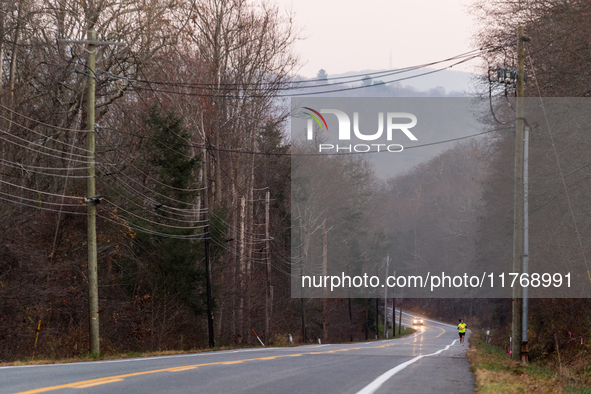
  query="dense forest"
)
[{"x": 193, "y": 107}]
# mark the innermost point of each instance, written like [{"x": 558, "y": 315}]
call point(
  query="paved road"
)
[{"x": 430, "y": 361}]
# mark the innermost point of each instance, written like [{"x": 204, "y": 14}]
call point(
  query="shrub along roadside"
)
[{"x": 496, "y": 373}]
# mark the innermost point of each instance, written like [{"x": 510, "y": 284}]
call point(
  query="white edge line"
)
[
  {"x": 125, "y": 360},
  {"x": 377, "y": 383}
]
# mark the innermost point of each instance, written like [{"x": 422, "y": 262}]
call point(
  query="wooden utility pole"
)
[
  {"x": 207, "y": 235},
  {"x": 377, "y": 310},
  {"x": 91, "y": 196},
  {"x": 242, "y": 271},
  {"x": 324, "y": 273},
  {"x": 400, "y": 321},
  {"x": 394, "y": 313},
  {"x": 269, "y": 297},
  {"x": 393, "y": 310},
  {"x": 386, "y": 298},
  {"x": 524, "y": 346},
  {"x": 303, "y": 301},
  {"x": 366, "y": 319},
  {"x": 93, "y": 303},
  {"x": 518, "y": 202},
  {"x": 350, "y": 312}
]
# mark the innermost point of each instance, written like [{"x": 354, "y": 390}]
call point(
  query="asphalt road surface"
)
[{"x": 430, "y": 361}]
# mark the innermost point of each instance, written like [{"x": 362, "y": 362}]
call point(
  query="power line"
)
[
  {"x": 38, "y": 191},
  {"x": 308, "y": 93},
  {"x": 139, "y": 183},
  {"x": 40, "y": 201},
  {"x": 45, "y": 168},
  {"x": 153, "y": 179},
  {"x": 155, "y": 207},
  {"x": 151, "y": 221},
  {"x": 181, "y": 212},
  {"x": 38, "y": 151},
  {"x": 458, "y": 139},
  {"x": 42, "y": 123},
  {"x": 313, "y": 154},
  {"x": 151, "y": 232},
  {"x": 248, "y": 236},
  {"x": 570, "y": 206},
  {"x": 47, "y": 138},
  {"x": 19, "y": 166},
  {"x": 245, "y": 86},
  {"x": 467, "y": 55},
  {"x": 42, "y": 208},
  {"x": 37, "y": 144}
]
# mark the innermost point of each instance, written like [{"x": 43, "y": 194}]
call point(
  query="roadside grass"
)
[
  {"x": 116, "y": 356},
  {"x": 496, "y": 373},
  {"x": 279, "y": 340},
  {"x": 393, "y": 332}
]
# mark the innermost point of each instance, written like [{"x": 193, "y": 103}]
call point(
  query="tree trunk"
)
[{"x": 13, "y": 56}]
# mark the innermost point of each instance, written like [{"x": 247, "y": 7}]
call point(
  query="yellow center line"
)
[
  {"x": 442, "y": 332},
  {"x": 179, "y": 369},
  {"x": 118, "y": 378},
  {"x": 103, "y": 381}
]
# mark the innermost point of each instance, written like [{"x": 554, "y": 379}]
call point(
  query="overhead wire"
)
[
  {"x": 144, "y": 186},
  {"x": 262, "y": 261},
  {"x": 45, "y": 136},
  {"x": 38, "y": 151},
  {"x": 40, "y": 201},
  {"x": 151, "y": 178},
  {"x": 21, "y": 167},
  {"x": 155, "y": 208},
  {"x": 469, "y": 56},
  {"x": 42, "y": 208},
  {"x": 45, "y": 168},
  {"x": 151, "y": 221},
  {"x": 377, "y": 74},
  {"x": 248, "y": 236},
  {"x": 307, "y": 93},
  {"x": 570, "y": 206},
  {"x": 41, "y": 192},
  {"x": 138, "y": 228},
  {"x": 324, "y": 154},
  {"x": 189, "y": 212}
]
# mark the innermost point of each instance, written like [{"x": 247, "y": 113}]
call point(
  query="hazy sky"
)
[{"x": 358, "y": 35}]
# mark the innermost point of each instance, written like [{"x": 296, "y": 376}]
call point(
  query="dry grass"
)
[
  {"x": 116, "y": 356},
  {"x": 506, "y": 382},
  {"x": 496, "y": 373}
]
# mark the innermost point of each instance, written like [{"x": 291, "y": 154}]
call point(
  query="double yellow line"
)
[{"x": 119, "y": 378}]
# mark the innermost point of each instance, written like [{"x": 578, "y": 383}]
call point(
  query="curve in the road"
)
[{"x": 119, "y": 378}]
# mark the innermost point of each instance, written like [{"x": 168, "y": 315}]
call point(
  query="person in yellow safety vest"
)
[{"x": 462, "y": 329}]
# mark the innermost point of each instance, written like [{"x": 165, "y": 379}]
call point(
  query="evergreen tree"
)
[{"x": 173, "y": 262}]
